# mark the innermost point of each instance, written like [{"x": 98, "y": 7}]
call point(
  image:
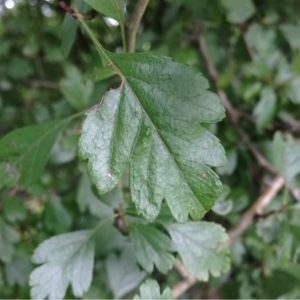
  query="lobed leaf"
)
[
  {"x": 153, "y": 121},
  {"x": 202, "y": 247},
  {"x": 67, "y": 259}
]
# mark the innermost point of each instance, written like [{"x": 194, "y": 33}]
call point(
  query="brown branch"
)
[
  {"x": 134, "y": 22},
  {"x": 256, "y": 209},
  {"x": 233, "y": 114},
  {"x": 36, "y": 83}
]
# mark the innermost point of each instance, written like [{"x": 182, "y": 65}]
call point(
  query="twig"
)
[
  {"x": 256, "y": 209},
  {"x": 35, "y": 83},
  {"x": 233, "y": 114},
  {"x": 134, "y": 22},
  {"x": 245, "y": 221}
]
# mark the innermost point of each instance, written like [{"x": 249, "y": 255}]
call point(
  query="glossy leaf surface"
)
[
  {"x": 66, "y": 259},
  {"x": 153, "y": 120},
  {"x": 202, "y": 248}
]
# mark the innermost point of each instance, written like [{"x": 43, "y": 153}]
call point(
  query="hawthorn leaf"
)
[
  {"x": 8, "y": 237},
  {"x": 150, "y": 290},
  {"x": 153, "y": 121},
  {"x": 109, "y": 8},
  {"x": 29, "y": 148},
  {"x": 66, "y": 259},
  {"x": 152, "y": 248},
  {"x": 123, "y": 273},
  {"x": 202, "y": 247}
]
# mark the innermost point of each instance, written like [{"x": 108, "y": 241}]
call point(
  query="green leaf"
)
[
  {"x": 14, "y": 209},
  {"x": 152, "y": 248},
  {"x": 285, "y": 155},
  {"x": 67, "y": 259},
  {"x": 150, "y": 290},
  {"x": 153, "y": 120},
  {"x": 29, "y": 148},
  {"x": 17, "y": 272},
  {"x": 123, "y": 273},
  {"x": 202, "y": 247},
  {"x": 238, "y": 11},
  {"x": 8, "y": 236},
  {"x": 265, "y": 108},
  {"x": 68, "y": 33},
  {"x": 57, "y": 217},
  {"x": 8, "y": 174},
  {"x": 76, "y": 91},
  {"x": 109, "y": 8},
  {"x": 292, "y": 34}
]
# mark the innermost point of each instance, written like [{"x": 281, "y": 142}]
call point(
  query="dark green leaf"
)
[
  {"x": 14, "y": 209},
  {"x": 110, "y": 8},
  {"x": 150, "y": 290},
  {"x": 67, "y": 259},
  {"x": 123, "y": 273},
  {"x": 8, "y": 236},
  {"x": 68, "y": 33},
  {"x": 202, "y": 247},
  {"x": 152, "y": 248},
  {"x": 154, "y": 121},
  {"x": 57, "y": 217},
  {"x": 29, "y": 148}
]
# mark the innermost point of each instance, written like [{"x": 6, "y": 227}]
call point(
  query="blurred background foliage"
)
[{"x": 49, "y": 69}]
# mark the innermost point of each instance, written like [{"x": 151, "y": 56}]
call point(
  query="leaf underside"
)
[{"x": 153, "y": 122}]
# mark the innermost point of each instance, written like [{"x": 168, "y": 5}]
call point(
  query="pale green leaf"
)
[
  {"x": 264, "y": 110},
  {"x": 238, "y": 11},
  {"x": 17, "y": 272},
  {"x": 292, "y": 34},
  {"x": 153, "y": 120},
  {"x": 8, "y": 236},
  {"x": 202, "y": 247},
  {"x": 110, "y": 8},
  {"x": 150, "y": 290},
  {"x": 152, "y": 248},
  {"x": 29, "y": 148},
  {"x": 66, "y": 259},
  {"x": 123, "y": 273},
  {"x": 76, "y": 91}
]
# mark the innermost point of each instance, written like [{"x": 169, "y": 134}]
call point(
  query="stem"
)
[{"x": 134, "y": 22}]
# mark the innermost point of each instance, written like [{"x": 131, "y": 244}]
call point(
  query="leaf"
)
[
  {"x": 152, "y": 248},
  {"x": 14, "y": 209},
  {"x": 8, "y": 236},
  {"x": 29, "y": 148},
  {"x": 76, "y": 91},
  {"x": 17, "y": 272},
  {"x": 153, "y": 120},
  {"x": 57, "y": 217},
  {"x": 150, "y": 290},
  {"x": 238, "y": 11},
  {"x": 67, "y": 259},
  {"x": 265, "y": 108},
  {"x": 123, "y": 273},
  {"x": 202, "y": 248},
  {"x": 110, "y": 8},
  {"x": 68, "y": 33},
  {"x": 292, "y": 34},
  {"x": 285, "y": 155}
]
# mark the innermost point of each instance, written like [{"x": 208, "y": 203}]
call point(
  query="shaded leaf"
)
[
  {"x": 202, "y": 248},
  {"x": 153, "y": 120},
  {"x": 29, "y": 148},
  {"x": 68, "y": 33},
  {"x": 8, "y": 236},
  {"x": 14, "y": 209},
  {"x": 110, "y": 8},
  {"x": 238, "y": 11},
  {"x": 150, "y": 290},
  {"x": 152, "y": 248},
  {"x": 123, "y": 273},
  {"x": 67, "y": 259}
]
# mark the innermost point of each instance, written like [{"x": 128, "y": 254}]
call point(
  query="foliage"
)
[{"x": 111, "y": 165}]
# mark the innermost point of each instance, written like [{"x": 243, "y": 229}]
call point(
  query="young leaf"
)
[
  {"x": 123, "y": 273},
  {"x": 109, "y": 8},
  {"x": 29, "y": 148},
  {"x": 202, "y": 248},
  {"x": 153, "y": 120},
  {"x": 152, "y": 248},
  {"x": 67, "y": 259},
  {"x": 150, "y": 290}
]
